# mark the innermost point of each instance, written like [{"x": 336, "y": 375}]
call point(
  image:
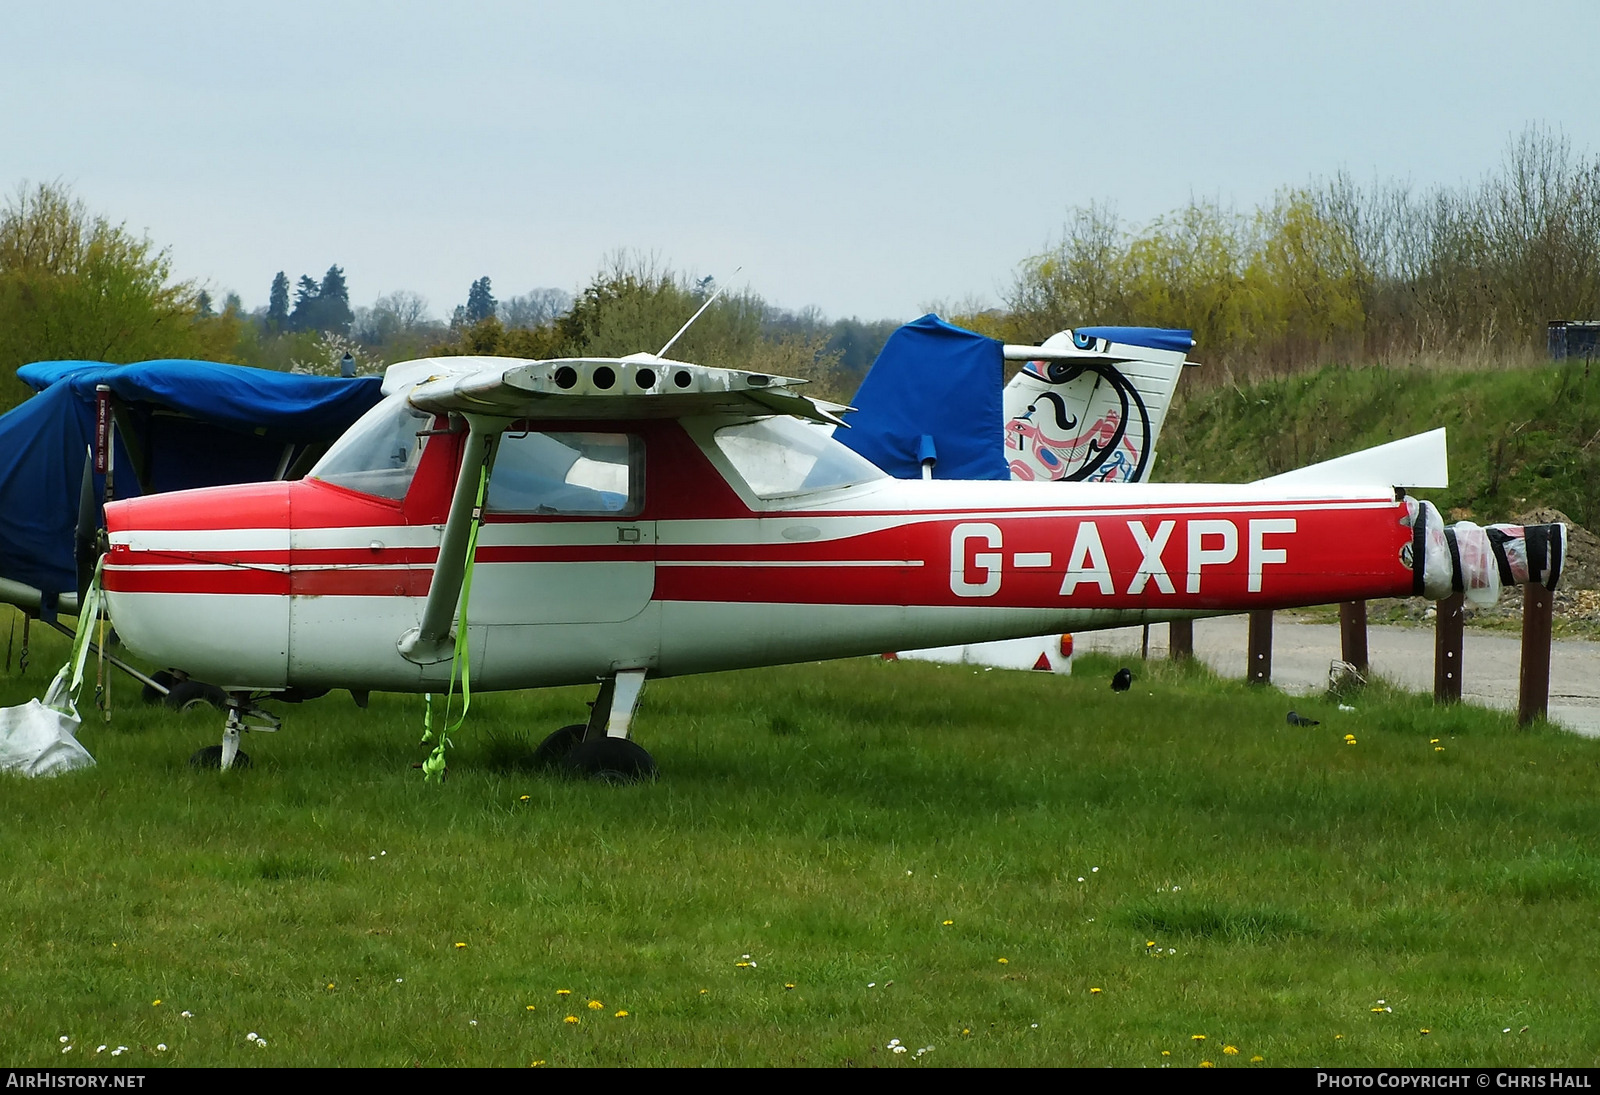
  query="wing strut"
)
[{"x": 434, "y": 640}]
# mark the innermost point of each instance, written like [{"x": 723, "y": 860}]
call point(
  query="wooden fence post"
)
[
  {"x": 1353, "y": 634},
  {"x": 1180, "y": 640},
  {"x": 1533, "y": 692},
  {"x": 1259, "y": 670},
  {"x": 1448, "y": 628}
]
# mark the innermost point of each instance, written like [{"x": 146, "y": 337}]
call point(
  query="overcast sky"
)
[{"x": 865, "y": 158}]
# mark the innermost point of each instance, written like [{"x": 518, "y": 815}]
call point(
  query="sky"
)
[{"x": 867, "y": 159}]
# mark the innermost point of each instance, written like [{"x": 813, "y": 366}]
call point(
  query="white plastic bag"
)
[{"x": 37, "y": 738}]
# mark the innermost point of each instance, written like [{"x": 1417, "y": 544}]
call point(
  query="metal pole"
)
[
  {"x": 1180, "y": 639},
  {"x": 1448, "y": 628},
  {"x": 1533, "y": 693},
  {"x": 1259, "y": 670},
  {"x": 1353, "y": 634},
  {"x": 1144, "y": 643}
]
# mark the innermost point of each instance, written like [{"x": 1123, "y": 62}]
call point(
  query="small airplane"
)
[{"x": 616, "y": 519}]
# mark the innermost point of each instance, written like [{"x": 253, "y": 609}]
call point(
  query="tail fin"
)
[{"x": 1089, "y": 404}]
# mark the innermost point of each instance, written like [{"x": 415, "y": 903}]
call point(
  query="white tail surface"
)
[
  {"x": 1416, "y": 461},
  {"x": 1091, "y": 414}
]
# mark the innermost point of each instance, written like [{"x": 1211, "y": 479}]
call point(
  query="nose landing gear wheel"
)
[
  {"x": 211, "y": 757},
  {"x": 611, "y": 760}
]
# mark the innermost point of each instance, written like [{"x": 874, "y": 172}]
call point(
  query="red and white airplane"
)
[{"x": 643, "y": 517}]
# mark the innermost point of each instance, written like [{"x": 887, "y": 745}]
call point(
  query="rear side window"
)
[{"x": 577, "y": 474}]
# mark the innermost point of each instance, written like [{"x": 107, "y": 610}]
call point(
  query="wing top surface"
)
[{"x": 637, "y": 386}]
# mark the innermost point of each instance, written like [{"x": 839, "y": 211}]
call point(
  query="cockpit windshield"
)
[
  {"x": 778, "y": 457},
  {"x": 380, "y": 453}
]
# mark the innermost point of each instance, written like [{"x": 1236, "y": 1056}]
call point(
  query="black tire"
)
[
  {"x": 165, "y": 680},
  {"x": 193, "y": 695},
  {"x": 211, "y": 757},
  {"x": 554, "y": 750},
  {"x": 611, "y": 760}
]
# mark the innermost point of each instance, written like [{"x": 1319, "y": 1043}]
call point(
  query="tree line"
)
[
  {"x": 1337, "y": 271},
  {"x": 1333, "y": 271}
]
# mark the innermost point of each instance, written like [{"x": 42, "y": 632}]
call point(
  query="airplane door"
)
[{"x": 561, "y": 542}]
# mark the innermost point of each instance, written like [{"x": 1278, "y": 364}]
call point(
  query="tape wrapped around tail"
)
[{"x": 1480, "y": 561}]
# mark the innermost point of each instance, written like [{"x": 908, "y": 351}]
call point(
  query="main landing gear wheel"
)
[
  {"x": 555, "y": 749},
  {"x": 611, "y": 760},
  {"x": 193, "y": 695},
  {"x": 211, "y": 757}
]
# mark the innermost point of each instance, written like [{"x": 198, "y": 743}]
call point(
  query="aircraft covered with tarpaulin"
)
[{"x": 176, "y": 425}]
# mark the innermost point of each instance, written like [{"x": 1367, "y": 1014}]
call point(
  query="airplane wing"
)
[{"x": 637, "y": 386}]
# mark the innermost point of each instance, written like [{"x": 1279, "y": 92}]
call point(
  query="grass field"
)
[{"x": 1014, "y": 869}]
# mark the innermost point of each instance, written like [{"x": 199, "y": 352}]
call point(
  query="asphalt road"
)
[{"x": 1301, "y": 653}]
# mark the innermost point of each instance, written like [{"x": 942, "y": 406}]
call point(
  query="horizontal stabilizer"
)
[{"x": 1416, "y": 461}]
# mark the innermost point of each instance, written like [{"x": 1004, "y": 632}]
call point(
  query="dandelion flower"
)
[
  {"x": 1150, "y": 942},
  {"x": 1438, "y": 748},
  {"x": 595, "y": 1005},
  {"x": 621, "y": 1015},
  {"x": 947, "y": 923},
  {"x": 1094, "y": 990},
  {"x": 1003, "y": 962},
  {"x": 788, "y": 984},
  {"x": 524, "y": 798},
  {"x": 1350, "y": 741},
  {"x": 563, "y": 992},
  {"x": 966, "y": 1030},
  {"x": 535, "y": 1064},
  {"x": 704, "y": 991},
  {"x": 571, "y": 1019},
  {"x": 460, "y": 945},
  {"x": 1197, "y": 1037},
  {"x": 1257, "y": 1059},
  {"x": 1231, "y": 1051},
  {"x": 532, "y": 1008},
  {"x": 1207, "y": 1064},
  {"x": 1425, "y": 1030},
  {"x": 1166, "y": 1053},
  {"x": 155, "y": 1003},
  {"x": 330, "y": 984}
]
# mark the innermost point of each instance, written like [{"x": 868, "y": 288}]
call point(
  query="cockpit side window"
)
[
  {"x": 781, "y": 457},
  {"x": 576, "y": 474},
  {"x": 380, "y": 453}
]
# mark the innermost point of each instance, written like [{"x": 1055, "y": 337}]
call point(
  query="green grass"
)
[
  {"x": 1519, "y": 438},
  {"x": 1209, "y": 869}
]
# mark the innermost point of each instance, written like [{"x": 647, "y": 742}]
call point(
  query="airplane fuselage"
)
[{"x": 311, "y": 584}]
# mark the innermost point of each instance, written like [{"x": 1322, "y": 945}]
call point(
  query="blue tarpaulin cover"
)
[
  {"x": 231, "y": 426},
  {"x": 932, "y": 380}
]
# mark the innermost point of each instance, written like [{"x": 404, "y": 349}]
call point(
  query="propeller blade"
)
[{"x": 86, "y": 537}]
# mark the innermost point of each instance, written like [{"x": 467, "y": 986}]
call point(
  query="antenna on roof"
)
[{"x": 709, "y": 301}]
